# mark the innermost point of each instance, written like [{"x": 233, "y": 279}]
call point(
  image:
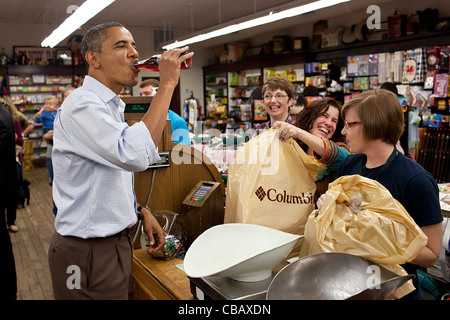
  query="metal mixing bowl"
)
[{"x": 334, "y": 276}]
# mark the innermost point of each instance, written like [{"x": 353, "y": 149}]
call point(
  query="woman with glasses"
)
[
  {"x": 318, "y": 131},
  {"x": 278, "y": 95},
  {"x": 373, "y": 124}
]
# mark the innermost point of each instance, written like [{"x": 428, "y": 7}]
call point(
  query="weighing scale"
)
[{"x": 225, "y": 288}]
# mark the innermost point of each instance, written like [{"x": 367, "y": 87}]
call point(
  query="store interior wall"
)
[{"x": 192, "y": 80}]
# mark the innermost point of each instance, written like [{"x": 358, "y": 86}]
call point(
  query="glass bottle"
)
[{"x": 152, "y": 63}]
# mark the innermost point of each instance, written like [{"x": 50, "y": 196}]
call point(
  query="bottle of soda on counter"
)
[{"x": 152, "y": 63}]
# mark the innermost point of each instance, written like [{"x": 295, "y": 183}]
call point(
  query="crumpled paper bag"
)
[{"x": 359, "y": 216}]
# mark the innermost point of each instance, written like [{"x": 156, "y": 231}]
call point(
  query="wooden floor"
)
[{"x": 30, "y": 244}]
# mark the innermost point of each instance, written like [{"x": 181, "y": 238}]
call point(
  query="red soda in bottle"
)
[{"x": 152, "y": 63}]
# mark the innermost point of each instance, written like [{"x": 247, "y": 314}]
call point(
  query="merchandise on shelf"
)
[
  {"x": 414, "y": 66},
  {"x": 29, "y": 87},
  {"x": 441, "y": 84},
  {"x": 260, "y": 110}
]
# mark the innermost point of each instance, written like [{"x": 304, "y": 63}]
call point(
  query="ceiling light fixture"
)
[
  {"x": 271, "y": 17},
  {"x": 83, "y": 14}
]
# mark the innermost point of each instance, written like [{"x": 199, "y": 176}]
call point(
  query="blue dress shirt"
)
[{"x": 94, "y": 156}]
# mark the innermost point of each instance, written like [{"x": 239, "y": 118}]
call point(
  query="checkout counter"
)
[
  {"x": 193, "y": 189},
  {"x": 184, "y": 182}
]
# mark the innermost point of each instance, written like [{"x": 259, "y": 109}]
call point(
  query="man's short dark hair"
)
[{"x": 94, "y": 38}]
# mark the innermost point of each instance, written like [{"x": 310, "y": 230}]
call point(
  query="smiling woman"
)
[
  {"x": 322, "y": 115},
  {"x": 318, "y": 132},
  {"x": 278, "y": 93}
]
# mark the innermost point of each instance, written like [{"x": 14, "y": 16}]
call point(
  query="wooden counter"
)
[{"x": 155, "y": 279}]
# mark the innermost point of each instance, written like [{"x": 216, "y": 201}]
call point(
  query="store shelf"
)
[
  {"x": 429, "y": 39},
  {"x": 30, "y": 85},
  {"x": 47, "y": 69},
  {"x": 337, "y": 58},
  {"x": 259, "y": 65},
  {"x": 215, "y": 86}
]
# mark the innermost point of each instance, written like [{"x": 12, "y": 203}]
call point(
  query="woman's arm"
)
[
  {"x": 428, "y": 256},
  {"x": 288, "y": 130}
]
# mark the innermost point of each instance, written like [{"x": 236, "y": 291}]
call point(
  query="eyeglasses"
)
[
  {"x": 277, "y": 96},
  {"x": 349, "y": 125}
]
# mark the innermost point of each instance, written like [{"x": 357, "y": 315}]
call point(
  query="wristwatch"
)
[{"x": 139, "y": 209}]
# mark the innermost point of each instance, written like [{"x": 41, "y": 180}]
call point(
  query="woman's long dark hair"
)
[{"x": 306, "y": 118}]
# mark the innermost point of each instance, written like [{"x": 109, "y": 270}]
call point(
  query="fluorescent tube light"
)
[
  {"x": 83, "y": 14},
  {"x": 271, "y": 17}
]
